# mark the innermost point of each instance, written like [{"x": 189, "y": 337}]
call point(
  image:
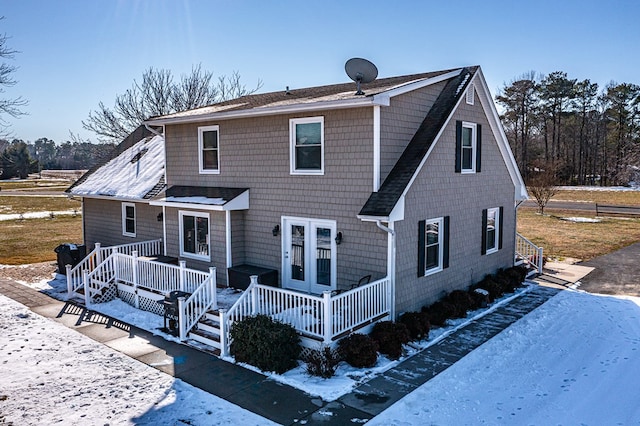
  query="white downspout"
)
[
  {"x": 391, "y": 262},
  {"x": 376, "y": 148}
]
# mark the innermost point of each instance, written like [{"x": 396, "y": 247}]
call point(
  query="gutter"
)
[{"x": 391, "y": 264}]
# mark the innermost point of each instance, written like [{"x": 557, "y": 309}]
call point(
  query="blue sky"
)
[{"x": 75, "y": 54}]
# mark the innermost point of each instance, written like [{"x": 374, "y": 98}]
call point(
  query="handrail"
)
[
  {"x": 529, "y": 252},
  {"x": 195, "y": 306},
  {"x": 106, "y": 271}
]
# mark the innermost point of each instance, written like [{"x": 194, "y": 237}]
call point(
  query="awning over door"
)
[{"x": 204, "y": 198}]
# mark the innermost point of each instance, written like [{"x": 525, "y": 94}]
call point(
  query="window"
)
[
  {"x": 307, "y": 145},
  {"x": 433, "y": 245},
  {"x": 468, "y": 147},
  {"x": 129, "y": 219},
  {"x": 492, "y": 230},
  {"x": 208, "y": 149},
  {"x": 194, "y": 235}
]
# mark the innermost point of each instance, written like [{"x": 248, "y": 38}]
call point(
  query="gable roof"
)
[
  {"x": 312, "y": 98},
  {"x": 382, "y": 202},
  {"x": 134, "y": 171}
]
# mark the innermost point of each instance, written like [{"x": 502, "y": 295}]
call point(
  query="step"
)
[
  {"x": 206, "y": 338},
  {"x": 209, "y": 327}
]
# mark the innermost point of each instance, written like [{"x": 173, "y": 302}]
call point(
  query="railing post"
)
[
  {"x": 134, "y": 272},
  {"x": 254, "y": 294},
  {"x": 389, "y": 299},
  {"x": 183, "y": 265},
  {"x": 540, "y": 260},
  {"x": 328, "y": 318},
  {"x": 224, "y": 349},
  {"x": 181, "y": 319},
  {"x": 87, "y": 295},
  {"x": 98, "y": 251},
  {"x": 212, "y": 287},
  {"x": 69, "y": 281}
]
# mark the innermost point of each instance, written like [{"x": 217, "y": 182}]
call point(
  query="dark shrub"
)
[
  {"x": 489, "y": 284},
  {"x": 461, "y": 301},
  {"x": 267, "y": 344},
  {"x": 322, "y": 362},
  {"x": 359, "y": 350},
  {"x": 480, "y": 298},
  {"x": 439, "y": 312},
  {"x": 390, "y": 337},
  {"x": 519, "y": 272},
  {"x": 417, "y": 324}
]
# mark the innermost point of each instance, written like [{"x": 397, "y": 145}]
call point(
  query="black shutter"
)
[
  {"x": 421, "y": 247},
  {"x": 484, "y": 232},
  {"x": 500, "y": 229},
  {"x": 458, "y": 146},
  {"x": 478, "y": 147},
  {"x": 445, "y": 243}
]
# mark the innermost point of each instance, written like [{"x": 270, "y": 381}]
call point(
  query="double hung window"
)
[
  {"x": 307, "y": 145},
  {"x": 129, "y": 219},
  {"x": 208, "y": 149}
]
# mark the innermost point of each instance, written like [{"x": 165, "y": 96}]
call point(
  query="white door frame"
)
[{"x": 308, "y": 275}]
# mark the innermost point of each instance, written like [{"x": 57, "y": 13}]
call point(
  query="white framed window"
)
[
  {"x": 129, "y": 219},
  {"x": 194, "y": 235},
  {"x": 492, "y": 230},
  {"x": 306, "y": 145},
  {"x": 468, "y": 147},
  {"x": 433, "y": 245},
  {"x": 209, "y": 149}
]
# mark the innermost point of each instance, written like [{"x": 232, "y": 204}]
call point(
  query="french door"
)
[{"x": 309, "y": 254}]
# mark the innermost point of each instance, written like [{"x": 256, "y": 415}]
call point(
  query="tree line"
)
[
  {"x": 578, "y": 132},
  {"x": 19, "y": 158}
]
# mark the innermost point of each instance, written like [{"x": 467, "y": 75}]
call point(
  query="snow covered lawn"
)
[{"x": 575, "y": 360}]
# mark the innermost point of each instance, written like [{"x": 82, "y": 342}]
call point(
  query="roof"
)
[
  {"x": 382, "y": 202},
  {"x": 206, "y": 197},
  {"x": 135, "y": 170},
  {"x": 339, "y": 95}
]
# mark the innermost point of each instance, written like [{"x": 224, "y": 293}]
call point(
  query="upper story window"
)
[
  {"x": 128, "y": 219},
  {"x": 208, "y": 149},
  {"x": 307, "y": 145},
  {"x": 492, "y": 230},
  {"x": 468, "y": 147},
  {"x": 433, "y": 245}
]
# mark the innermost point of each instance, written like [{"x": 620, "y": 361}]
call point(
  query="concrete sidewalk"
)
[{"x": 255, "y": 392}]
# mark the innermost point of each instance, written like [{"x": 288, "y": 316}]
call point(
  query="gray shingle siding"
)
[{"x": 439, "y": 191}]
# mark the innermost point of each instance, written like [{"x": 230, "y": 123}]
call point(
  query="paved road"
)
[
  {"x": 564, "y": 205},
  {"x": 615, "y": 273}
]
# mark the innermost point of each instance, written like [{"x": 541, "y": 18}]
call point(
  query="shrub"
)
[
  {"x": 520, "y": 272},
  {"x": 267, "y": 344},
  {"x": 390, "y": 337},
  {"x": 417, "y": 324},
  {"x": 322, "y": 362},
  {"x": 439, "y": 312},
  {"x": 480, "y": 298},
  {"x": 489, "y": 284},
  {"x": 461, "y": 301},
  {"x": 359, "y": 350}
]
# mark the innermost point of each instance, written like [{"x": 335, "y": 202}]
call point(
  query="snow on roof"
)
[{"x": 131, "y": 174}]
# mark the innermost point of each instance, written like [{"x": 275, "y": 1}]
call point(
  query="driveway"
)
[{"x": 615, "y": 273}]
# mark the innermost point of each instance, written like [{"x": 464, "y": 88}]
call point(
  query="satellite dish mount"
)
[{"x": 361, "y": 71}]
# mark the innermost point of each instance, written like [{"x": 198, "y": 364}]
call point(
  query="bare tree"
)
[
  {"x": 8, "y": 106},
  {"x": 158, "y": 94},
  {"x": 542, "y": 185}
]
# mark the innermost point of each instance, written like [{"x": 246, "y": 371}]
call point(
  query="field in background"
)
[{"x": 629, "y": 198}]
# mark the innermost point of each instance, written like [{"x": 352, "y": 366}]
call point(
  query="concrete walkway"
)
[{"x": 278, "y": 402}]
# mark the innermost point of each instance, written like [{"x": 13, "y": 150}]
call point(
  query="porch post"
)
[
  {"x": 87, "y": 296},
  {"x": 69, "y": 282},
  {"x": 328, "y": 320},
  {"x": 224, "y": 350},
  {"x": 181, "y": 319},
  {"x": 540, "y": 260},
  {"x": 98, "y": 255},
  {"x": 254, "y": 294},
  {"x": 212, "y": 287},
  {"x": 183, "y": 265},
  {"x": 136, "y": 298}
]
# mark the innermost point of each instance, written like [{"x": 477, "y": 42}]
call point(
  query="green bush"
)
[
  {"x": 439, "y": 312},
  {"x": 489, "y": 284},
  {"x": 359, "y": 350},
  {"x": 417, "y": 324},
  {"x": 322, "y": 362},
  {"x": 461, "y": 301},
  {"x": 390, "y": 337},
  {"x": 267, "y": 344}
]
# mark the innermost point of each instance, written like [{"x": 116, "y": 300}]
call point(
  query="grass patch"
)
[
  {"x": 40, "y": 184},
  {"x": 20, "y": 204},
  {"x": 623, "y": 198},
  {"x": 561, "y": 238},
  {"x": 33, "y": 240}
]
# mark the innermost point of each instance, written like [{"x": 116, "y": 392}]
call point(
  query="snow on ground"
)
[
  {"x": 38, "y": 215},
  {"x": 600, "y": 188},
  {"x": 51, "y": 374},
  {"x": 577, "y": 219},
  {"x": 575, "y": 360}
]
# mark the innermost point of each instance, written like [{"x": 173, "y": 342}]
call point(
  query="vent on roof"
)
[
  {"x": 470, "y": 94},
  {"x": 361, "y": 71},
  {"x": 139, "y": 155}
]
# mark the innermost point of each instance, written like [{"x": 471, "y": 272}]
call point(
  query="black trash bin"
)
[
  {"x": 69, "y": 254},
  {"x": 171, "y": 314}
]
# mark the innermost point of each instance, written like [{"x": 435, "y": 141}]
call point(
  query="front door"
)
[{"x": 309, "y": 255}]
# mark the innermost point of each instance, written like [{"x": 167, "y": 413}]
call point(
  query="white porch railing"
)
[
  {"x": 99, "y": 254},
  {"x": 320, "y": 317},
  {"x": 528, "y": 252},
  {"x": 195, "y": 306}
]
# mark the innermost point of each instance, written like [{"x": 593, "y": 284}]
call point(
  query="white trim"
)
[
  {"x": 376, "y": 148},
  {"x": 474, "y": 147},
  {"x": 110, "y": 198},
  {"x": 227, "y": 223},
  {"x": 293, "y": 122},
  {"x": 440, "y": 266},
  {"x": 381, "y": 99},
  {"x": 496, "y": 227},
  {"x": 164, "y": 229},
  {"x": 201, "y": 131},
  {"x": 183, "y": 253},
  {"x": 124, "y": 206}
]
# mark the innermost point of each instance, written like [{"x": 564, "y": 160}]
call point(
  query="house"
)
[{"x": 320, "y": 190}]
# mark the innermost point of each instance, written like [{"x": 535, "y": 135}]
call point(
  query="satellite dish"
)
[{"x": 361, "y": 71}]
